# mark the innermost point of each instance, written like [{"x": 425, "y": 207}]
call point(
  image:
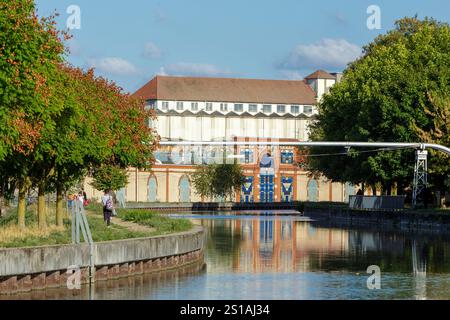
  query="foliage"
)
[
  {"x": 58, "y": 122},
  {"x": 10, "y": 236},
  {"x": 397, "y": 91},
  {"x": 109, "y": 177},
  {"x": 30, "y": 49},
  {"x": 218, "y": 180},
  {"x": 161, "y": 224}
]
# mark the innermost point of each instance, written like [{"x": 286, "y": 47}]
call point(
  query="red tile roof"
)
[{"x": 228, "y": 90}]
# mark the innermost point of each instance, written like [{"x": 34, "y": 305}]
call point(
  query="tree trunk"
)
[
  {"x": 42, "y": 214},
  {"x": 374, "y": 189},
  {"x": 59, "y": 205},
  {"x": 22, "y": 205},
  {"x": 388, "y": 188}
]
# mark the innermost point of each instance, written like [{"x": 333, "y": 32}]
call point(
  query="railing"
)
[
  {"x": 377, "y": 202},
  {"x": 80, "y": 223}
]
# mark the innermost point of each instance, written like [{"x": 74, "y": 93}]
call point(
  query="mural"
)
[
  {"x": 247, "y": 190},
  {"x": 266, "y": 188},
  {"x": 287, "y": 189},
  {"x": 266, "y": 180}
]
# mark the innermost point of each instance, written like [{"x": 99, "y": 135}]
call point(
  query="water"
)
[{"x": 290, "y": 257}]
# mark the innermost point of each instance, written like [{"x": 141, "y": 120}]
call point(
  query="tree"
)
[
  {"x": 397, "y": 91},
  {"x": 218, "y": 180},
  {"x": 109, "y": 177},
  {"x": 59, "y": 122},
  {"x": 30, "y": 49}
]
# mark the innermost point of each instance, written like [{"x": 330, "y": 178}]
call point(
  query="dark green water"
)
[{"x": 289, "y": 257}]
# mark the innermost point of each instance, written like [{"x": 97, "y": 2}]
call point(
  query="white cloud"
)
[
  {"x": 113, "y": 65},
  {"x": 290, "y": 75},
  {"x": 193, "y": 69},
  {"x": 152, "y": 51},
  {"x": 326, "y": 54}
]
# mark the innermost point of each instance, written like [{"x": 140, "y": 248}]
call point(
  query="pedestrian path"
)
[{"x": 131, "y": 225}]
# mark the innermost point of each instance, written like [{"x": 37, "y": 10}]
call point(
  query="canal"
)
[{"x": 286, "y": 256}]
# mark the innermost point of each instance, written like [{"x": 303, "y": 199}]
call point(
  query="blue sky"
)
[{"x": 132, "y": 41}]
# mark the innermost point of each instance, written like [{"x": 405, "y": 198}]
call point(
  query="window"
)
[
  {"x": 267, "y": 108},
  {"x": 164, "y": 105},
  {"x": 307, "y": 109},
  {"x": 209, "y": 106},
  {"x": 287, "y": 156},
  {"x": 295, "y": 109},
  {"x": 180, "y": 105},
  {"x": 151, "y": 104},
  {"x": 281, "y": 108},
  {"x": 246, "y": 156},
  {"x": 223, "y": 107},
  {"x": 238, "y": 107},
  {"x": 194, "y": 106},
  {"x": 253, "y": 108}
]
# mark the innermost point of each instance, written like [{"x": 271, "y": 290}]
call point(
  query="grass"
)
[
  {"x": 11, "y": 236},
  {"x": 163, "y": 225}
]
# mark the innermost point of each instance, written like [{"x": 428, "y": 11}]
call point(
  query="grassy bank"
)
[
  {"x": 11, "y": 236},
  {"x": 153, "y": 220}
]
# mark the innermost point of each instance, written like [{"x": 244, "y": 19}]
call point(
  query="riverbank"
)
[
  {"x": 128, "y": 224},
  {"x": 424, "y": 220},
  {"x": 36, "y": 268}
]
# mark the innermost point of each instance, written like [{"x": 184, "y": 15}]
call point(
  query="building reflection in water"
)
[
  {"x": 419, "y": 255},
  {"x": 272, "y": 244}
]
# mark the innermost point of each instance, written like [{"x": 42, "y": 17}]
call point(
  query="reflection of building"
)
[
  {"x": 217, "y": 109},
  {"x": 276, "y": 245}
]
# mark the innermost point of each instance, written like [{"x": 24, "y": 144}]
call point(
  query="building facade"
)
[{"x": 228, "y": 109}]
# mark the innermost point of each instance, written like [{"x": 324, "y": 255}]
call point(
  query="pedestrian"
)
[
  {"x": 86, "y": 202},
  {"x": 108, "y": 207},
  {"x": 80, "y": 197},
  {"x": 70, "y": 199}
]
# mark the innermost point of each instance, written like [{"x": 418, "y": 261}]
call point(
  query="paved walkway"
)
[{"x": 131, "y": 225}]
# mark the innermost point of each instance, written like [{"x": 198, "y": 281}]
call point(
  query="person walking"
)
[{"x": 108, "y": 207}]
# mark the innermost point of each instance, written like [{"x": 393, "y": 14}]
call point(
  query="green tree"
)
[
  {"x": 59, "y": 122},
  {"x": 218, "y": 180},
  {"x": 108, "y": 177},
  {"x": 30, "y": 50},
  {"x": 397, "y": 91}
]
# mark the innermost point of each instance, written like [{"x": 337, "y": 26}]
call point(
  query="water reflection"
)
[
  {"x": 419, "y": 261},
  {"x": 289, "y": 257},
  {"x": 268, "y": 244}
]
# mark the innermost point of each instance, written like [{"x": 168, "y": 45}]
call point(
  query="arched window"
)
[
  {"x": 313, "y": 190},
  {"x": 152, "y": 189},
  {"x": 185, "y": 189},
  {"x": 121, "y": 197},
  {"x": 349, "y": 191}
]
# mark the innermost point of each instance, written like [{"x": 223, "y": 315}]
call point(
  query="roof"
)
[
  {"x": 227, "y": 90},
  {"x": 320, "y": 74}
]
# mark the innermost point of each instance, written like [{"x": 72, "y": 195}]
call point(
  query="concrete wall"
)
[{"x": 20, "y": 261}]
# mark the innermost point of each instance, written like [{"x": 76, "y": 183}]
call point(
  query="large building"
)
[{"x": 218, "y": 109}]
